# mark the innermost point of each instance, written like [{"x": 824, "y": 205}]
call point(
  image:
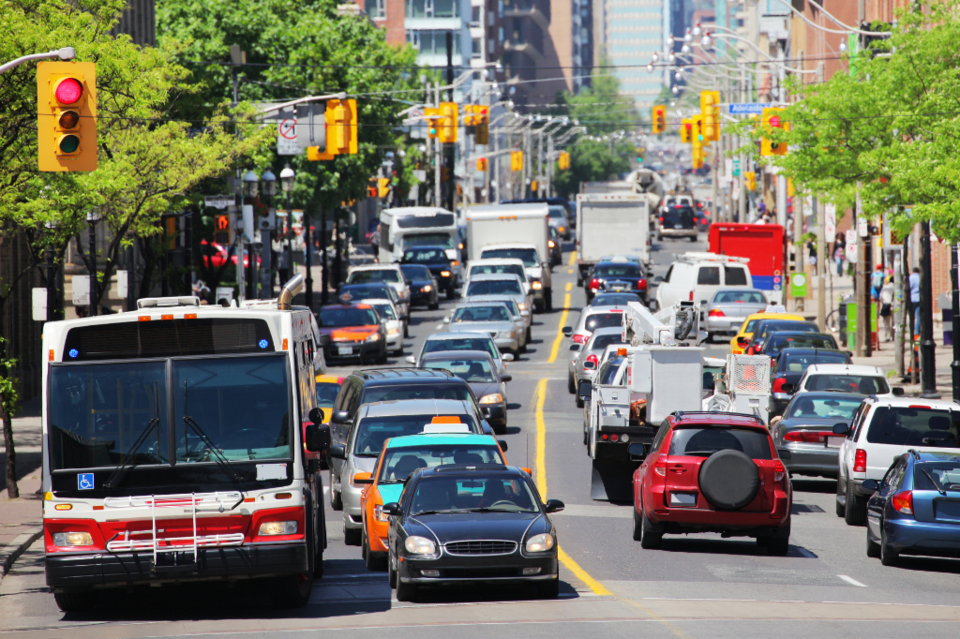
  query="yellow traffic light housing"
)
[
  {"x": 710, "y": 110},
  {"x": 516, "y": 160},
  {"x": 383, "y": 187},
  {"x": 342, "y": 128},
  {"x": 432, "y": 114},
  {"x": 659, "y": 118},
  {"x": 563, "y": 162},
  {"x": 750, "y": 177},
  {"x": 450, "y": 113},
  {"x": 698, "y": 137},
  {"x": 481, "y": 134},
  {"x": 481, "y": 164},
  {"x": 769, "y": 120},
  {"x": 66, "y": 116},
  {"x": 697, "y": 154},
  {"x": 686, "y": 131}
]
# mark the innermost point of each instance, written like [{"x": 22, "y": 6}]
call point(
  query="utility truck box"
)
[
  {"x": 611, "y": 224},
  {"x": 614, "y": 186},
  {"x": 670, "y": 377}
]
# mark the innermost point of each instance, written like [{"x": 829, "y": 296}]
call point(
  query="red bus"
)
[{"x": 763, "y": 244}]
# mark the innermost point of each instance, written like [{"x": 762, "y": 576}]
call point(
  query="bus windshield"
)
[{"x": 428, "y": 239}]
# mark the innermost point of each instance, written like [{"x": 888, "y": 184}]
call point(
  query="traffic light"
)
[
  {"x": 563, "y": 162},
  {"x": 67, "y": 116},
  {"x": 697, "y": 121},
  {"x": 697, "y": 154},
  {"x": 751, "y": 180},
  {"x": 449, "y": 114},
  {"x": 686, "y": 131},
  {"x": 516, "y": 160},
  {"x": 768, "y": 121},
  {"x": 481, "y": 134},
  {"x": 342, "y": 126},
  {"x": 534, "y": 186},
  {"x": 481, "y": 164},
  {"x": 432, "y": 114},
  {"x": 710, "y": 109},
  {"x": 383, "y": 187},
  {"x": 659, "y": 118}
]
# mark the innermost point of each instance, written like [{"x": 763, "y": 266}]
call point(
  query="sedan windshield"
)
[
  {"x": 494, "y": 287},
  {"x": 462, "y": 344},
  {"x": 416, "y": 271},
  {"x": 439, "y": 494},
  {"x": 798, "y": 363},
  {"x": 492, "y": 313},
  {"x": 527, "y": 255},
  {"x": 706, "y": 441},
  {"x": 780, "y": 342},
  {"x": 336, "y": 317},
  {"x": 374, "y": 275},
  {"x": 398, "y": 463},
  {"x": 822, "y": 408},
  {"x": 372, "y": 432},
  {"x": 385, "y": 311},
  {"x": 472, "y": 370}
]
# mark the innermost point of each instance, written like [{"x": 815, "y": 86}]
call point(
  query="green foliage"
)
[
  {"x": 8, "y": 383},
  {"x": 591, "y": 161},
  {"x": 601, "y": 108}
]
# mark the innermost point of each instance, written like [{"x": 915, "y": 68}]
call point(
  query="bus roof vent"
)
[{"x": 167, "y": 302}]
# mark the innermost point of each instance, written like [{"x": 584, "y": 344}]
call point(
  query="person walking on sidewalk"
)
[
  {"x": 876, "y": 282},
  {"x": 887, "y": 294},
  {"x": 915, "y": 299}
]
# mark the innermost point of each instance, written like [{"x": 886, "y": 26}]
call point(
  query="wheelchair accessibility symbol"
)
[{"x": 85, "y": 481}]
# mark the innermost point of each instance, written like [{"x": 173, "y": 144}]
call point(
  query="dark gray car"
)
[
  {"x": 479, "y": 370},
  {"x": 804, "y": 437}
]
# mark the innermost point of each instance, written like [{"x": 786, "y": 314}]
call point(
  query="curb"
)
[{"x": 11, "y": 553}]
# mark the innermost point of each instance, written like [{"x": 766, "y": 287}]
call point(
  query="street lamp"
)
[
  {"x": 250, "y": 184},
  {"x": 93, "y": 217},
  {"x": 269, "y": 183},
  {"x": 287, "y": 179}
]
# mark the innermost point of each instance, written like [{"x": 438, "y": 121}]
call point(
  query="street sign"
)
[
  {"x": 798, "y": 285},
  {"x": 287, "y": 136},
  {"x": 311, "y": 125},
  {"x": 81, "y": 290},
  {"x": 39, "y": 304},
  {"x": 218, "y": 201},
  {"x": 747, "y": 108},
  {"x": 736, "y": 167}
]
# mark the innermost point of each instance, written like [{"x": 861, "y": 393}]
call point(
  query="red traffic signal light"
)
[{"x": 775, "y": 121}]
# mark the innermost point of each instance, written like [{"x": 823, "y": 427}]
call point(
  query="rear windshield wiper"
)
[
  {"x": 933, "y": 481},
  {"x": 125, "y": 464},
  {"x": 700, "y": 452},
  {"x": 218, "y": 455}
]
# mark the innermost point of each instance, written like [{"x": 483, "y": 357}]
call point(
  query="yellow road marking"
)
[
  {"x": 563, "y": 322},
  {"x": 540, "y": 460},
  {"x": 581, "y": 574},
  {"x": 569, "y": 287},
  {"x": 573, "y": 258}
]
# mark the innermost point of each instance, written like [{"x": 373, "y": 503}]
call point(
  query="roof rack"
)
[
  {"x": 683, "y": 413},
  {"x": 700, "y": 256},
  {"x": 447, "y": 468},
  {"x": 167, "y": 302}
]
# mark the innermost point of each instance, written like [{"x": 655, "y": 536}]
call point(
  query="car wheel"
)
[
  {"x": 382, "y": 358},
  {"x": 406, "y": 329},
  {"x": 779, "y": 543},
  {"x": 873, "y": 548},
  {"x": 571, "y": 385},
  {"x": 888, "y": 556},
  {"x": 855, "y": 512},
  {"x": 292, "y": 591},
  {"x": 650, "y": 538},
  {"x": 406, "y": 592},
  {"x": 659, "y": 238},
  {"x": 529, "y": 335},
  {"x": 375, "y": 560},
  {"x": 693, "y": 238},
  {"x": 399, "y": 351},
  {"x": 586, "y": 437},
  {"x": 579, "y": 402},
  {"x": 637, "y": 521},
  {"x": 435, "y": 304},
  {"x": 76, "y": 601},
  {"x": 549, "y": 589},
  {"x": 548, "y": 297},
  {"x": 336, "y": 499},
  {"x": 391, "y": 573},
  {"x": 351, "y": 536}
]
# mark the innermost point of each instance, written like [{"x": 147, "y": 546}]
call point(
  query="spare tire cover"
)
[{"x": 729, "y": 479}]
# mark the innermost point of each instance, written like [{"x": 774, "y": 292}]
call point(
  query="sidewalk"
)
[{"x": 20, "y": 519}]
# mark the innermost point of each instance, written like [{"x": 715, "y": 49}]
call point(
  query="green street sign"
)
[
  {"x": 798, "y": 285},
  {"x": 736, "y": 167}
]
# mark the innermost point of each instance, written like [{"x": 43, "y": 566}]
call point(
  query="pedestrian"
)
[
  {"x": 375, "y": 243},
  {"x": 838, "y": 258},
  {"x": 887, "y": 295},
  {"x": 284, "y": 264},
  {"x": 876, "y": 281},
  {"x": 812, "y": 254},
  {"x": 914, "y": 282}
]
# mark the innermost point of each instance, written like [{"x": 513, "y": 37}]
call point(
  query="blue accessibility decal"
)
[{"x": 85, "y": 481}]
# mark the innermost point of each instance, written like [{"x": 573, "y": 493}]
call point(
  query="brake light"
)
[
  {"x": 641, "y": 284},
  {"x": 660, "y": 467},
  {"x": 703, "y": 220},
  {"x": 661, "y": 219},
  {"x": 903, "y": 502},
  {"x": 691, "y": 296},
  {"x": 779, "y": 471},
  {"x": 807, "y": 436},
  {"x": 591, "y": 362},
  {"x": 860, "y": 461},
  {"x": 579, "y": 338},
  {"x": 716, "y": 313},
  {"x": 594, "y": 284}
]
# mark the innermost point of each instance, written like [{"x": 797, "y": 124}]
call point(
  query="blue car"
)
[{"x": 916, "y": 507}]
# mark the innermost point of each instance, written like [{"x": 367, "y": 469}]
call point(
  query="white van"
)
[{"x": 695, "y": 277}]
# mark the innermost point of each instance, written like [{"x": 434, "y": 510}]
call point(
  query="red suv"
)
[{"x": 712, "y": 472}]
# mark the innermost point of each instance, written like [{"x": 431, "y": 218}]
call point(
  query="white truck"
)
[
  {"x": 404, "y": 227},
  {"x": 515, "y": 231},
  {"x": 611, "y": 224}
]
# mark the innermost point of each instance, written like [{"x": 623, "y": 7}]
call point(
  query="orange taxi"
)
[
  {"x": 740, "y": 341},
  {"x": 355, "y": 331}
]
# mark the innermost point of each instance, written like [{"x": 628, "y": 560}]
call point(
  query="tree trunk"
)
[{"x": 13, "y": 491}]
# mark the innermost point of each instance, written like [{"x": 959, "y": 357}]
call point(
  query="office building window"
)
[{"x": 376, "y": 8}]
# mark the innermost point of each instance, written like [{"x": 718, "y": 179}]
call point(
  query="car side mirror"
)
[
  {"x": 742, "y": 340},
  {"x": 702, "y": 336},
  {"x": 870, "y": 484},
  {"x": 324, "y": 341},
  {"x": 850, "y": 353},
  {"x": 507, "y": 357},
  {"x": 637, "y": 451},
  {"x": 446, "y": 320},
  {"x": 503, "y": 444},
  {"x": 392, "y": 509},
  {"x": 409, "y": 359},
  {"x": 567, "y": 331},
  {"x": 506, "y": 378},
  {"x": 553, "y": 506},
  {"x": 585, "y": 390},
  {"x": 317, "y": 437},
  {"x": 316, "y": 415},
  {"x": 338, "y": 452},
  {"x": 788, "y": 388},
  {"x": 589, "y": 366},
  {"x": 897, "y": 391},
  {"x": 841, "y": 429},
  {"x": 363, "y": 478},
  {"x": 340, "y": 417}
]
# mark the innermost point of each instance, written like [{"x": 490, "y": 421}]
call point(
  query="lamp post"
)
[
  {"x": 251, "y": 186},
  {"x": 93, "y": 217},
  {"x": 269, "y": 181},
  {"x": 287, "y": 179}
]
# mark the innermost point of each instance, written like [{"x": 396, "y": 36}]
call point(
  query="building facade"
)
[{"x": 633, "y": 31}]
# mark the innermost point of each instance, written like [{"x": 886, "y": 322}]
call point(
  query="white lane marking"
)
[{"x": 852, "y": 581}]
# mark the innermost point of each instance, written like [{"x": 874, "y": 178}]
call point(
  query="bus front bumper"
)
[{"x": 76, "y": 571}]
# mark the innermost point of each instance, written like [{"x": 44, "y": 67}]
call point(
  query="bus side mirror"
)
[
  {"x": 316, "y": 415},
  {"x": 317, "y": 437}
]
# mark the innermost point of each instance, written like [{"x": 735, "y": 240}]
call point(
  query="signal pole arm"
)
[
  {"x": 311, "y": 98},
  {"x": 66, "y": 53}
]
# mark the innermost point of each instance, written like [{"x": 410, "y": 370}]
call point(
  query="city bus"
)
[
  {"x": 405, "y": 227},
  {"x": 182, "y": 443}
]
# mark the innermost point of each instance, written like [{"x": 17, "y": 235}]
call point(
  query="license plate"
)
[
  {"x": 834, "y": 442},
  {"x": 345, "y": 350},
  {"x": 678, "y": 226},
  {"x": 683, "y": 499},
  {"x": 618, "y": 287}
]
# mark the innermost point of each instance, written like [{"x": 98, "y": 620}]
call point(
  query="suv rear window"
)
[
  {"x": 603, "y": 320},
  {"x": 863, "y": 384},
  {"x": 914, "y": 426},
  {"x": 735, "y": 275},
  {"x": 706, "y": 441}
]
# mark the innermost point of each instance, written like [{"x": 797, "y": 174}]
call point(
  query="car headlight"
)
[
  {"x": 540, "y": 543},
  {"x": 420, "y": 546},
  {"x": 522, "y": 306},
  {"x": 493, "y": 398},
  {"x": 373, "y": 338},
  {"x": 379, "y": 515},
  {"x": 506, "y": 334},
  {"x": 72, "y": 539},
  {"x": 393, "y": 331},
  {"x": 551, "y": 244},
  {"x": 268, "y": 528},
  {"x": 537, "y": 285},
  {"x": 427, "y": 288},
  {"x": 444, "y": 273}
]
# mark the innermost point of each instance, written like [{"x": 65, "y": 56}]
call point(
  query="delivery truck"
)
[
  {"x": 762, "y": 244},
  {"x": 611, "y": 224}
]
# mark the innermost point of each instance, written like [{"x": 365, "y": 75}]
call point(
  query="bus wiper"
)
[
  {"x": 118, "y": 474},
  {"x": 218, "y": 455}
]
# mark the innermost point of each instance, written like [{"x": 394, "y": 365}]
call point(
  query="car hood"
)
[
  {"x": 349, "y": 333},
  {"x": 490, "y": 328},
  {"x": 420, "y": 283},
  {"x": 485, "y": 525}
]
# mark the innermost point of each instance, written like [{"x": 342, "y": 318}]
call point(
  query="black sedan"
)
[
  {"x": 423, "y": 286},
  {"x": 477, "y": 369},
  {"x": 555, "y": 244},
  {"x": 471, "y": 524},
  {"x": 440, "y": 266},
  {"x": 764, "y": 328},
  {"x": 790, "y": 366},
  {"x": 781, "y": 340},
  {"x": 622, "y": 276}
]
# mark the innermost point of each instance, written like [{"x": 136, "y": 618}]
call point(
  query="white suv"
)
[
  {"x": 882, "y": 429},
  {"x": 389, "y": 274},
  {"x": 703, "y": 274}
]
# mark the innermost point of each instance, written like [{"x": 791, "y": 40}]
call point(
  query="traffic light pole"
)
[
  {"x": 928, "y": 363},
  {"x": 955, "y": 308},
  {"x": 450, "y": 152}
]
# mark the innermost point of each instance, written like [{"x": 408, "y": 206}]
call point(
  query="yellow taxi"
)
[
  {"x": 327, "y": 388},
  {"x": 740, "y": 341}
]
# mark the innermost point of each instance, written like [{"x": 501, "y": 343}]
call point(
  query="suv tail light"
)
[
  {"x": 691, "y": 296},
  {"x": 779, "y": 471},
  {"x": 641, "y": 284},
  {"x": 903, "y": 502},
  {"x": 716, "y": 313},
  {"x": 661, "y": 467},
  {"x": 594, "y": 284},
  {"x": 591, "y": 362},
  {"x": 661, "y": 219},
  {"x": 579, "y": 338},
  {"x": 860, "y": 461}
]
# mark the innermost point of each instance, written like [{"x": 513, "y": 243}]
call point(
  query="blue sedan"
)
[{"x": 916, "y": 507}]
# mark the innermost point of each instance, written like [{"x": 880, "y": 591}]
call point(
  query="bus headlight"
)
[
  {"x": 269, "y": 528},
  {"x": 64, "y": 539}
]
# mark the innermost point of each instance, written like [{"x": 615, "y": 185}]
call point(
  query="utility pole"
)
[
  {"x": 955, "y": 308},
  {"x": 308, "y": 259},
  {"x": 323, "y": 261},
  {"x": 928, "y": 364},
  {"x": 438, "y": 157},
  {"x": 821, "y": 268},
  {"x": 93, "y": 218},
  {"x": 450, "y": 153}
]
